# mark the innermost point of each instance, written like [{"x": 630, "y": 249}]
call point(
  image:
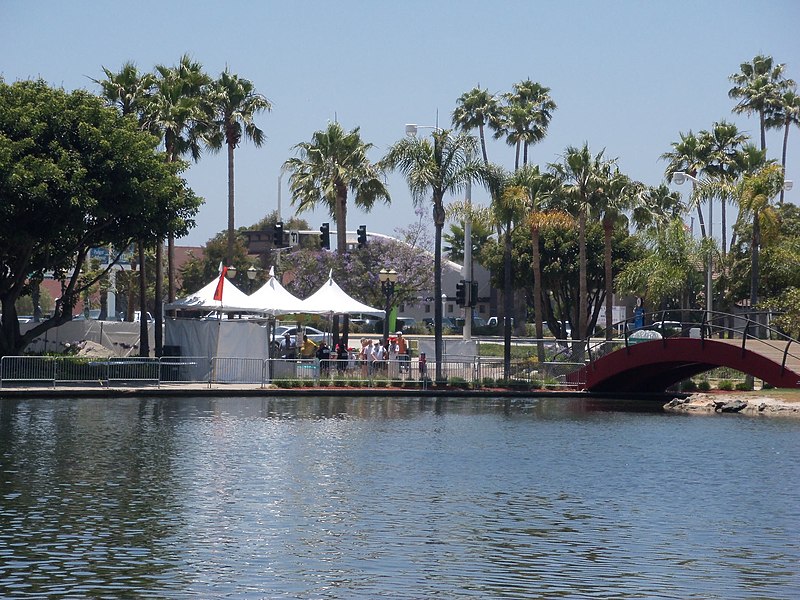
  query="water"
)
[{"x": 397, "y": 498}]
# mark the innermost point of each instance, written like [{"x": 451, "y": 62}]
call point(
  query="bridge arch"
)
[{"x": 653, "y": 366}]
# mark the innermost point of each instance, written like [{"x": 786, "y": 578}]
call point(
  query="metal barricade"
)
[
  {"x": 28, "y": 369},
  {"x": 237, "y": 370}
]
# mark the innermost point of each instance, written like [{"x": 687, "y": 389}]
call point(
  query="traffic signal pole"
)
[{"x": 467, "y": 268}]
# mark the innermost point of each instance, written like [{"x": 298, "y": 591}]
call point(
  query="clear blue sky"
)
[{"x": 627, "y": 76}]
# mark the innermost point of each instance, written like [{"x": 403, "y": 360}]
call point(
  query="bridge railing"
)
[{"x": 699, "y": 324}]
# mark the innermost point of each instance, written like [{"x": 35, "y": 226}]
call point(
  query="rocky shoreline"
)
[{"x": 760, "y": 405}]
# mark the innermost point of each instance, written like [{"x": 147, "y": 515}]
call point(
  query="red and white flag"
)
[{"x": 220, "y": 284}]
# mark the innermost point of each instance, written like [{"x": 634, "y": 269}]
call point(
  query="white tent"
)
[
  {"x": 273, "y": 299},
  {"x": 330, "y": 298},
  {"x": 232, "y": 298}
]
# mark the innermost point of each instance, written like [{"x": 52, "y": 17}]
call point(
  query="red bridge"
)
[{"x": 652, "y": 365}]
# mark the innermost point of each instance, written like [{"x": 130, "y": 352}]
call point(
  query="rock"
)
[{"x": 733, "y": 406}]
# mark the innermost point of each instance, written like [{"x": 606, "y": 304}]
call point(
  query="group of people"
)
[
  {"x": 391, "y": 357},
  {"x": 374, "y": 357}
]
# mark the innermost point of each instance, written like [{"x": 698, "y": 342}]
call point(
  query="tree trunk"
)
[
  {"x": 608, "y": 228},
  {"x": 172, "y": 289},
  {"x": 483, "y": 144},
  {"x": 231, "y": 233},
  {"x": 783, "y": 156},
  {"x": 582, "y": 283},
  {"x": 341, "y": 218},
  {"x": 438, "y": 220},
  {"x": 536, "y": 264},
  {"x": 158, "y": 309},
  {"x": 754, "y": 267},
  {"x": 724, "y": 219},
  {"x": 508, "y": 302},
  {"x": 144, "y": 338},
  {"x": 762, "y": 122}
]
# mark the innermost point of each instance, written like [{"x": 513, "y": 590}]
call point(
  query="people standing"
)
[
  {"x": 402, "y": 351},
  {"x": 394, "y": 352},
  {"x": 308, "y": 349}
]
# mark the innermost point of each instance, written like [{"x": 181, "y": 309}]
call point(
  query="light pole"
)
[
  {"x": 680, "y": 178},
  {"x": 387, "y": 277}
]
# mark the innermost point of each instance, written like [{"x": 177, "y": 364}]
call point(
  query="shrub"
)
[
  {"x": 689, "y": 385},
  {"x": 743, "y": 386},
  {"x": 726, "y": 385},
  {"x": 703, "y": 385},
  {"x": 488, "y": 382}
]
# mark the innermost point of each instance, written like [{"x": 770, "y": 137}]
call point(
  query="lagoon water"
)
[{"x": 396, "y": 498}]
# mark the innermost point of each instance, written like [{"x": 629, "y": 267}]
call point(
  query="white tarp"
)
[
  {"x": 273, "y": 299},
  {"x": 233, "y": 299},
  {"x": 330, "y": 298}
]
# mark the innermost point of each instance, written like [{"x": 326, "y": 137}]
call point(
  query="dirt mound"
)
[{"x": 93, "y": 350}]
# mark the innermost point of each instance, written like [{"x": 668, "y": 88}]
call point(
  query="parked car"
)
[
  {"x": 667, "y": 328},
  {"x": 279, "y": 341},
  {"x": 137, "y": 316}
]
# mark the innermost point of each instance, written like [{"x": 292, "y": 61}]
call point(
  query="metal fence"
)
[{"x": 27, "y": 371}]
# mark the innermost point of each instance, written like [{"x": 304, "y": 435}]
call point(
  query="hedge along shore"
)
[{"x": 764, "y": 403}]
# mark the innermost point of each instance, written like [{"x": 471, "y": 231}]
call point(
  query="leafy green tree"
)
[
  {"x": 330, "y": 166},
  {"x": 442, "y": 167},
  {"x": 481, "y": 232},
  {"x": 670, "y": 273},
  {"x": 235, "y": 104},
  {"x": 74, "y": 175}
]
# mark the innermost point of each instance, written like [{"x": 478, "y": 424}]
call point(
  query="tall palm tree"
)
[
  {"x": 235, "y": 103},
  {"x": 175, "y": 111},
  {"x": 687, "y": 156},
  {"x": 657, "y": 207},
  {"x": 758, "y": 86},
  {"x": 611, "y": 204},
  {"x": 786, "y": 114},
  {"x": 129, "y": 90},
  {"x": 525, "y": 117},
  {"x": 755, "y": 194},
  {"x": 720, "y": 146},
  {"x": 476, "y": 108},
  {"x": 330, "y": 166},
  {"x": 439, "y": 168},
  {"x": 582, "y": 177}
]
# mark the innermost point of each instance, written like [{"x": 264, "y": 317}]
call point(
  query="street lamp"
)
[
  {"x": 387, "y": 277},
  {"x": 680, "y": 178},
  {"x": 231, "y": 272},
  {"x": 251, "y": 276}
]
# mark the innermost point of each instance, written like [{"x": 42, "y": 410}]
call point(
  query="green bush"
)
[
  {"x": 688, "y": 385},
  {"x": 704, "y": 385},
  {"x": 725, "y": 385},
  {"x": 743, "y": 386}
]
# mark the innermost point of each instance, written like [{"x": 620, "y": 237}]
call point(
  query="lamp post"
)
[
  {"x": 231, "y": 272},
  {"x": 680, "y": 178},
  {"x": 387, "y": 277}
]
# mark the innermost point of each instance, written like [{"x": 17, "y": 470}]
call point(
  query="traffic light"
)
[
  {"x": 362, "y": 236},
  {"x": 325, "y": 236},
  {"x": 277, "y": 235},
  {"x": 461, "y": 293},
  {"x": 473, "y": 294}
]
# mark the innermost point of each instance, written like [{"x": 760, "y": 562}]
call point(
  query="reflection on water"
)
[{"x": 402, "y": 498}]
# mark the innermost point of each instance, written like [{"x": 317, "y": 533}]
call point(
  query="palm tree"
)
[
  {"x": 755, "y": 194},
  {"x": 525, "y": 117},
  {"x": 720, "y": 146},
  {"x": 175, "y": 110},
  {"x": 332, "y": 164},
  {"x": 687, "y": 156},
  {"x": 235, "y": 104},
  {"x": 582, "y": 177},
  {"x": 786, "y": 114},
  {"x": 758, "y": 85},
  {"x": 442, "y": 167},
  {"x": 129, "y": 90},
  {"x": 611, "y": 204},
  {"x": 657, "y": 207},
  {"x": 476, "y": 108}
]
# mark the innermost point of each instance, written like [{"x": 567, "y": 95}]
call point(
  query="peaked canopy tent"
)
[
  {"x": 273, "y": 299},
  {"x": 330, "y": 298},
  {"x": 220, "y": 295}
]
